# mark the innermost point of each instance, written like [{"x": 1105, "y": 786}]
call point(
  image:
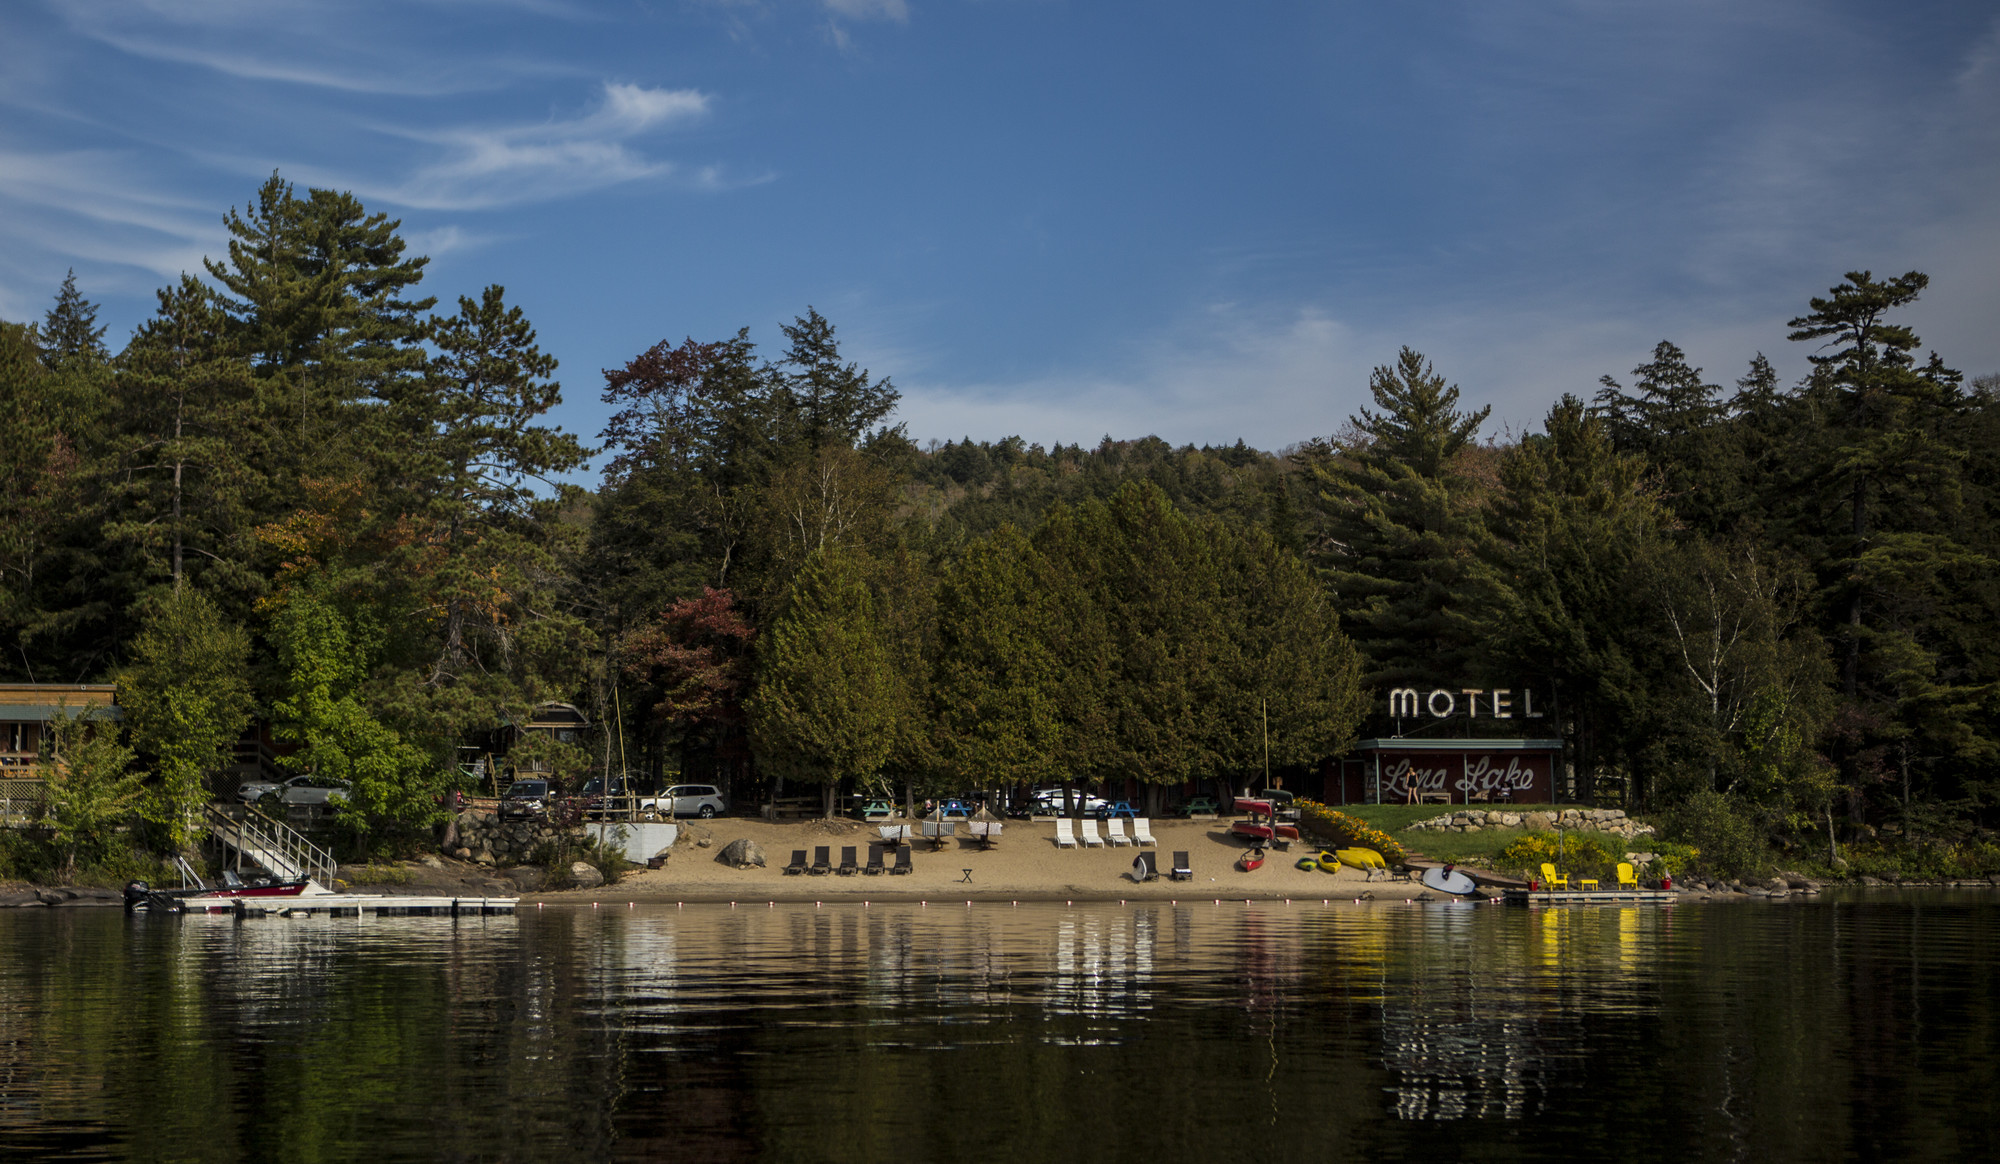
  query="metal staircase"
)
[{"x": 278, "y": 848}]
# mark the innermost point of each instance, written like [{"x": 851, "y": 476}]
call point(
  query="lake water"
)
[{"x": 1862, "y": 1028}]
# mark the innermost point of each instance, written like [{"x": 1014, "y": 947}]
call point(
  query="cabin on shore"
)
[{"x": 26, "y": 711}]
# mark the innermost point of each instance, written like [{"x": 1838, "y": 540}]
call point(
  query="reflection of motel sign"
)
[{"x": 1404, "y": 703}]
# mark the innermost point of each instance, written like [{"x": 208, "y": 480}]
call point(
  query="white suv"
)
[{"x": 702, "y": 800}]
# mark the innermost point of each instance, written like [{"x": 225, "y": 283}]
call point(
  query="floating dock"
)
[
  {"x": 1589, "y": 896},
  {"x": 359, "y": 905}
]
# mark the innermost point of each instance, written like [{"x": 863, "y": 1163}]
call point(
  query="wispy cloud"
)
[
  {"x": 896, "y": 10},
  {"x": 83, "y": 205},
  {"x": 308, "y": 43},
  {"x": 484, "y": 167}
]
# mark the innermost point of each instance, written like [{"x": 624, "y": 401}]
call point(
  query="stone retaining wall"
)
[
  {"x": 1600, "y": 820},
  {"x": 479, "y": 836}
]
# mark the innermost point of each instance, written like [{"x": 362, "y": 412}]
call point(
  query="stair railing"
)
[{"x": 255, "y": 835}]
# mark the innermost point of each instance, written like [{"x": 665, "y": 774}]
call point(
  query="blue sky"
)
[{"x": 1055, "y": 219}]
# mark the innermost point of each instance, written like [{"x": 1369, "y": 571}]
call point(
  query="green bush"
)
[
  {"x": 1724, "y": 835},
  {"x": 1574, "y": 854}
]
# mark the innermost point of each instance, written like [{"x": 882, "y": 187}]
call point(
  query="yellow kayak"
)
[
  {"x": 1362, "y": 859},
  {"x": 1328, "y": 862}
]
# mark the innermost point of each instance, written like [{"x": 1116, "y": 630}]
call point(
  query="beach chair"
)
[
  {"x": 798, "y": 864},
  {"x": 822, "y": 860},
  {"x": 1090, "y": 838},
  {"x": 874, "y": 864},
  {"x": 1114, "y": 831},
  {"x": 1182, "y": 871},
  {"x": 1550, "y": 879},
  {"x": 1145, "y": 866},
  {"x": 1064, "y": 838},
  {"x": 1626, "y": 880},
  {"x": 1142, "y": 832},
  {"x": 902, "y": 859},
  {"x": 848, "y": 865}
]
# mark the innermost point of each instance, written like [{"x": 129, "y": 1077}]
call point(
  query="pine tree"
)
[
  {"x": 1402, "y": 523},
  {"x": 314, "y": 288}
]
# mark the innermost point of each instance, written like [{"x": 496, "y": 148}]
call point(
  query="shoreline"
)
[{"x": 1025, "y": 866}]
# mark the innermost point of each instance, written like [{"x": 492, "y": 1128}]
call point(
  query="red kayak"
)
[{"x": 1254, "y": 859}]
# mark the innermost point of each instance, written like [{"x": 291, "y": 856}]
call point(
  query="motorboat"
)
[{"x": 203, "y": 898}]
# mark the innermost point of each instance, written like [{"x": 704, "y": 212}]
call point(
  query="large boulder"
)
[
  {"x": 585, "y": 875},
  {"x": 1540, "y": 822},
  {"x": 742, "y": 854},
  {"x": 528, "y": 878}
]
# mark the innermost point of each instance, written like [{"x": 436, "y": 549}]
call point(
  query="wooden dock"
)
[
  {"x": 361, "y": 905},
  {"x": 1588, "y": 896}
]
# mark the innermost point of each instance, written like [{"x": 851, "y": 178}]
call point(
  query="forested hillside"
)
[{"x": 303, "y": 491}]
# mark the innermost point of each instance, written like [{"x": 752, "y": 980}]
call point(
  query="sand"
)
[{"x": 1025, "y": 865}]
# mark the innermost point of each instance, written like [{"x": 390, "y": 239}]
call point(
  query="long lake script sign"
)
[
  {"x": 1455, "y": 777},
  {"x": 1443, "y": 703}
]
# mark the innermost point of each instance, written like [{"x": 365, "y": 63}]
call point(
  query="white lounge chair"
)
[
  {"x": 1090, "y": 838},
  {"x": 1064, "y": 838},
  {"x": 1142, "y": 832},
  {"x": 1114, "y": 831}
]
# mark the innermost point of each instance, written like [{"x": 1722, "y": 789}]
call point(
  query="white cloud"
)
[
  {"x": 896, "y": 10},
  {"x": 551, "y": 159},
  {"x": 295, "y": 42},
  {"x": 85, "y": 205}
]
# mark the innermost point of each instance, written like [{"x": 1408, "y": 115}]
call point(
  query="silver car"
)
[
  {"x": 307, "y": 791},
  {"x": 702, "y": 800}
]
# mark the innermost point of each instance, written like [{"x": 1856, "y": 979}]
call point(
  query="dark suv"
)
[{"x": 525, "y": 800}]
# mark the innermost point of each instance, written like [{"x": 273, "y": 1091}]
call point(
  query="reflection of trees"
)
[{"x": 902, "y": 1032}]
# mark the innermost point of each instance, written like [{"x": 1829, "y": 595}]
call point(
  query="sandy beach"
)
[{"x": 1025, "y": 865}]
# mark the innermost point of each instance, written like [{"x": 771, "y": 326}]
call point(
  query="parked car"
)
[
  {"x": 307, "y": 791},
  {"x": 702, "y": 800},
  {"x": 1049, "y": 801},
  {"x": 255, "y": 790},
  {"x": 525, "y": 800},
  {"x": 594, "y": 792}
]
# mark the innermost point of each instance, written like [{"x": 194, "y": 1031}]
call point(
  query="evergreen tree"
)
[
  {"x": 1672, "y": 419},
  {"x": 825, "y": 402},
  {"x": 187, "y": 491},
  {"x": 314, "y": 287},
  {"x": 999, "y": 674},
  {"x": 1293, "y": 694},
  {"x": 70, "y": 338},
  {"x": 1402, "y": 523},
  {"x": 825, "y": 702}
]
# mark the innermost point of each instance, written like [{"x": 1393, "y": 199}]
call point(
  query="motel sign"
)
[{"x": 1443, "y": 703}]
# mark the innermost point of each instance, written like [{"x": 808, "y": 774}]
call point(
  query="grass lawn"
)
[{"x": 1480, "y": 848}]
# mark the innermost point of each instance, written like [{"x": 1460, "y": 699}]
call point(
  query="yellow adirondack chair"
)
[
  {"x": 1625, "y": 878},
  {"x": 1550, "y": 879}
]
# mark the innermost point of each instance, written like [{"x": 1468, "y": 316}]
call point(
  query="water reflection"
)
[{"x": 1159, "y": 1031}]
